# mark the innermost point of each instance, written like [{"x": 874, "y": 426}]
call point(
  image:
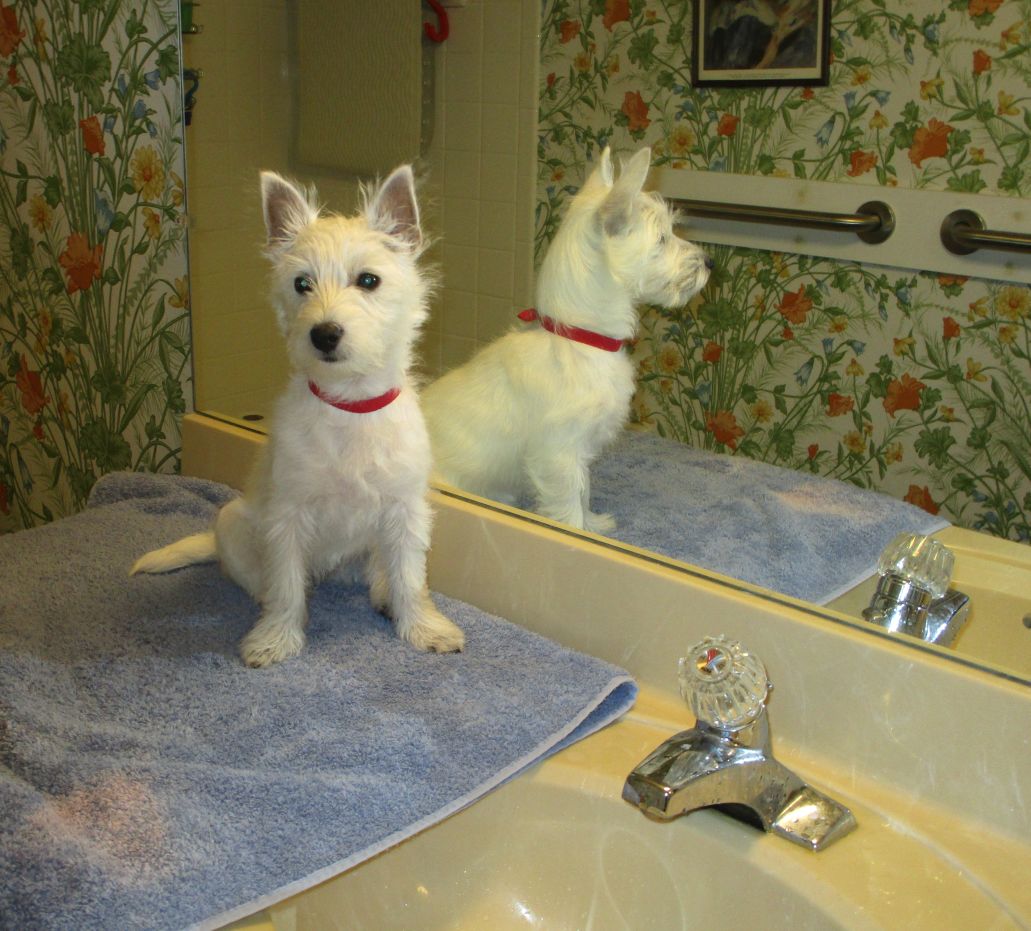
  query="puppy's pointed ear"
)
[
  {"x": 617, "y": 208},
  {"x": 286, "y": 208},
  {"x": 605, "y": 167},
  {"x": 394, "y": 209}
]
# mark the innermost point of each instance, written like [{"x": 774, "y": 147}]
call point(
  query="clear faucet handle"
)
[
  {"x": 918, "y": 559},
  {"x": 723, "y": 684}
]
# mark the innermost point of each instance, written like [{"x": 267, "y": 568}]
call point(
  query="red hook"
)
[{"x": 433, "y": 33}]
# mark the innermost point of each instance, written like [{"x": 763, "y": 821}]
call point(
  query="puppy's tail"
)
[{"x": 186, "y": 552}]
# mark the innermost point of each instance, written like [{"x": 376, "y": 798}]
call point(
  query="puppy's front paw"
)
[
  {"x": 271, "y": 642},
  {"x": 599, "y": 523},
  {"x": 435, "y": 633}
]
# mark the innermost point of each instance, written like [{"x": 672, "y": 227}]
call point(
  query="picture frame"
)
[{"x": 741, "y": 43}]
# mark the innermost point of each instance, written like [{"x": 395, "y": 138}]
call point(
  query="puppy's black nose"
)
[
  {"x": 709, "y": 263},
  {"x": 325, "y": 336}
]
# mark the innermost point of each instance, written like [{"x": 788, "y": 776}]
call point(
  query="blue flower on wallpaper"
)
[
  {"x": 105, "y": 213},
  {"x": 903, "y": 295},
  {"x": 823, "y": 134},
  {"x": 803, "y": 372},
  {"x": 850, "y": 100},
  {"x": 882, "y": 97},
  {"x": 153, "y": 79},
  {"x": 703, "y": 391},
  {"x": 858, "y": 347}
]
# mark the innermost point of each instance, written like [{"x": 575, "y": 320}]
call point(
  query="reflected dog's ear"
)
[
  {"x": 394, "y": 210},
  {"x": 618, "y": 206},
  {"x": 287, "y": 208}
]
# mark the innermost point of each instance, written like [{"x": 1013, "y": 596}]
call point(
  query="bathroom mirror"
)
[{"x": 850, "y": 376}]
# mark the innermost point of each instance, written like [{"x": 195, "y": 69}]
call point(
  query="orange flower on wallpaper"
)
[
  {"x": 950, "y": 329},
  {"x": 795, "y": 305},
  {"x": 921, "y": 497},
  {"x": 712, "y": 352},
  {"x": 92, "y": 135},
  {"x": 982, "y": 62},
  {"x": 812, "y": 450},
  {"x": 838, "y": 404},
  {"x": 80, "y": 263},
  {"x": 616, "y": 11},
  {"x": 860, "y": 163},
  {"x": 569, "y": 30},
  {"x": 636, "y": 111},
  {"x": 31, "y": 387},
  {"x": 930, "y": 141},
  {"x": 723, "y": 425},
  {"x": 980, "y": 7},
  {"x": 10, "y": 34},
  {"x": 903, "y": 394},
  {"x": 727, "y": 125}
]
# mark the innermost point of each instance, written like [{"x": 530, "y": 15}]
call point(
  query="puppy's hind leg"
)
[
  {"x": 401, "y": 568},
  {"x": 279, "y": 633}
]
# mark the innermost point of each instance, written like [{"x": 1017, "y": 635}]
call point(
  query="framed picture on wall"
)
[{"x": 761, "y": 42}]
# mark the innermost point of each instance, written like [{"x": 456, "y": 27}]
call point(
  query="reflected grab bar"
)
[
  {"x": 963, "y": 232},
  {"x": 873, "y": 222}
]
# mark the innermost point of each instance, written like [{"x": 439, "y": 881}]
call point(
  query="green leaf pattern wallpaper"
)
[
  {"x": 912, "y": 383},
  {"x": 94, "y": 300}
]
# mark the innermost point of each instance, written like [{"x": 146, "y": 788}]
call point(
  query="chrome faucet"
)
[
  {"x": 913, "y": 595},
  {"x": 726, "y": 760}
]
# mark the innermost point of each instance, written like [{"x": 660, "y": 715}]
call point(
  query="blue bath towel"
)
[
  {"x": 148, "y": 779},
  {"x": 801, "y": 535}
]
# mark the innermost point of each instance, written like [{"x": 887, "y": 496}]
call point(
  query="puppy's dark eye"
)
[
  {"x": 367, "y": 281},
  {"x": 303, "y": 284}
]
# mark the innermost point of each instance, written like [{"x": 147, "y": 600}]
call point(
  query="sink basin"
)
[
  {"x": 557, "y": 848},
  {"x": 996, "y": 574}
]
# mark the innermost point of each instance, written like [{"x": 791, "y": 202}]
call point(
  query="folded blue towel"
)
[
  {"x": 798, "y": 534},
  {"x": 148, "y": 779}
]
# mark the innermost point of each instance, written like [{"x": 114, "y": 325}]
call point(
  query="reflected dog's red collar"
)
[
  {"x": 575, "y": 333},
  {"x": 366, "y": 406}
]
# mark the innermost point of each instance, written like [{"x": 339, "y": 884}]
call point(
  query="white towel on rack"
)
[{"x": 358, "y": 85}]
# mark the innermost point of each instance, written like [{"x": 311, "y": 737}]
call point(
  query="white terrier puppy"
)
[
  {"x": 344, "y": 473},
  {"x": 531, "y": 411}
]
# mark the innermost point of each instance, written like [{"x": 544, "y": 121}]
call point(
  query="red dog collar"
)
[
  {"x": 575, "y": 333},
  {"x": 366, "y": 406}
]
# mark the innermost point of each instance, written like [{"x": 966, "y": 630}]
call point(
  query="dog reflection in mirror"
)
[
  {"x": 530, "y": 412},
  {"x": 344, "y": 474}
]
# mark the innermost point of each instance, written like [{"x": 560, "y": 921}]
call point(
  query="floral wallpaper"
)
[
  {"x": 94, "y": 329},
  {"x": 912, "y": 383}
]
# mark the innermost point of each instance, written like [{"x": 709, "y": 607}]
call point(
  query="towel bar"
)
[
  {"x": 963, "y": 232},
  {"x": 873, "y": 222}
]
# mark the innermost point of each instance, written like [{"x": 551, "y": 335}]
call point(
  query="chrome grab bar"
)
[
  {"x": 963, "y": 232},
  {"x": 873, "y": 222}
]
